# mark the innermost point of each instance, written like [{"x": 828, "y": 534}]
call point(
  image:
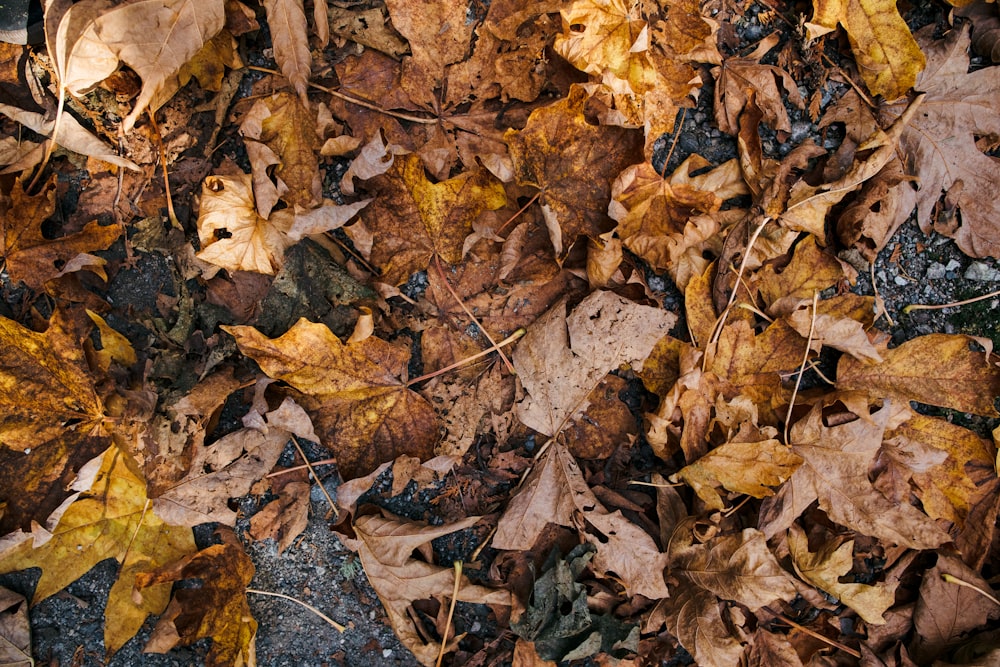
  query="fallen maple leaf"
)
[
  {"x": 109, "y": 519},
  {"x": 30, "y": 257},
  {"x": 414, "y": 219},
  {"x": 214, "y": 606},
  {"x": 362, "y": 410},
  {"x": 386, "y": 546},
  {"x": 835, "y": 469},
  {"x": 51, "y": 418},
  {"x": 888, "y": 57},
  {"x": 825, "y": 568},
  {"x": 572, "y": 163},
  {"x": 563, "y": 358},
  {"x": 234, "y": 236},
  {"x": 937, "y": 369}
]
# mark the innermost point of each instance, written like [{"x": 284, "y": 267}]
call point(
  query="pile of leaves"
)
[{"x": 434, "y": 241}]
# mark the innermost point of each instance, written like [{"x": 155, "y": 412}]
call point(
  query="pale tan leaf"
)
[{"x": 290, "y": 37}]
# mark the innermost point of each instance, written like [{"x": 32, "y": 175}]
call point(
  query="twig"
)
[
  {"x": 163, "y": 162},
  {"x": 319, "y": 482},
  {"x": 964, "y": 302},
  {"x": 506, "y": 341},
  {"x": 523, "y": 209},
  {"x": 451, "y": 290},
  {"x": 802, "y": 367},
  {"x": 355, "y": 100},
  {"x": 812, "y": 633},
  {"x": 451, "y": 611},
  {"x": 337, "y": 626},
  {"x": 324, "y": 462}
]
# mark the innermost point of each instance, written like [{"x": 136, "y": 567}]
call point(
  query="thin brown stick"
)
[
  {"x": 516, "y": 215},
  {"x": 802, "y": 367},
  {"x": 319, "y": 482},
  {"x": 163, "y": 163},
  {"x": 441, "y": 371},
  {"x": 355, "y": 100},
  {"x": 679, "y": 126},
  {"x": 812, "y": 633},
  {"x": 337, "y": 626},
  {"x": 324, "y": 462},
  {"x": 964, "y": 302},
  {"x": 451, "y": 290},
  {"x": 451, "y": 611}
]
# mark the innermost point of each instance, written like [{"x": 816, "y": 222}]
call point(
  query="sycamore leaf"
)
[
  {"x": 572, "y": 162},
  {"x": 214, "y": 605},
  {"x": 235, "y": 237},
  {"x": 153, "y": 37},
  {"x": 290, "y": 38},
  {"x": 51, "y": 418},
  {"x": 29, "y": 256},
  {"x": 108, "y": 520},
  {"x": 226, "y": 469},
  {"x": 825, "y": 567},
  {"x": 693, "y": 615},
  {"x": 386, "y": 550},
  {"x": 835, "y": 468},
  {"x": 15, "y": 630},
  {"x": 414, "y": 219},
  {"x": 562, "y": 359},
  {"x": 361, "y": 407},
  {"x": 742, "y": 467},
  {"x": 947, "y": 612},
  {"x": 941, "y": 150},
  {"x": 888, "y": 57},
  {"x": 742, "y": 79},
  {"x": 937, "y": 369}
]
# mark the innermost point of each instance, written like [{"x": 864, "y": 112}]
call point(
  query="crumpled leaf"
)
[
  {"x": 888, "y": 57},
  {"x": 361, "y": 408},
  {"x": 290, "y": 39},
  {"x": 563, "y": 358},
  {"x": 15, "y": 630},
  {"x": 572, "y": 163},
  {"x": 692, "y": 615},
  {"x": 107, "y": 520},
  {"x": 740, "y": 78},
  {"x": 825, "y": 567},
  {"x": 51, "y": 418},
  {"x": 153, "y": 37},
  {"x": 285, "y": 518},
  {"x": 414, "y": 219},
  {"x": 386, "y": 547},
  {"x": 937, "y": 369},
  {"x": 226, "y": 469},
  {"x": 29, "y": 256},
  {"x": 235, "y": 237},
  {"x": 835, "y": 469},
  {"x": 214, "y": 606}
]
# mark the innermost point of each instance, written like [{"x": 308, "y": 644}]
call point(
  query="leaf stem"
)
[
  {"x": 813, "y": 633},
  {"x": 319, "y": 482},
  {"x": 441, "y": 371},
  {"x": 959, "y": 582},
  {"x": 451, "y": 611},
  {"x": 337, "y": 626},
  {"x": 802, "y": 367}
]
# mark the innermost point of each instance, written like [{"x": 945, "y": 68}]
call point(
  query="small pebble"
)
[
  {"x": 935, "y": 271},
  {"x": 952, "y": 265},
  {"x": 981, "y": 271},
  {"x": 386, "y": 652},
  {"x": 901, "y": 281}
]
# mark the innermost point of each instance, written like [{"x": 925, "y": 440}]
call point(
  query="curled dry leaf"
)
[
  {"x": 234, "y": 236},
  {"x": 386, "y": 547},
  {"x": 214, "y": 606},
  {"x": 290, "y": 38},
  {"x": 15, "y": 631},
  {"x": 153, "y": 37}
]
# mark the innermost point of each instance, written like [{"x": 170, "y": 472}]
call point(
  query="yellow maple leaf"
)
[
  {"x": 111, "y": 519},
  {"x": 360, "y": 406},
  {"x": 888, "y": 57}
]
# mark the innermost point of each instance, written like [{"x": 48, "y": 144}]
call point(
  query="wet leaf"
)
[{"x": 215, "y": 605}]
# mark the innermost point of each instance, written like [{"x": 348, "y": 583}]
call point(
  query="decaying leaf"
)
[
  {"x": 386, "y": 549},
  {"x": 110, "y": 519},
  {"x": 287, "y": 21},
  {"x": 562, "y": 358},
  {"x": 361, "y": 407},
  {"x": 214, "y": 606},
  {"x": 234, "y": 236},
  {"x": 15, "y": 631}
]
